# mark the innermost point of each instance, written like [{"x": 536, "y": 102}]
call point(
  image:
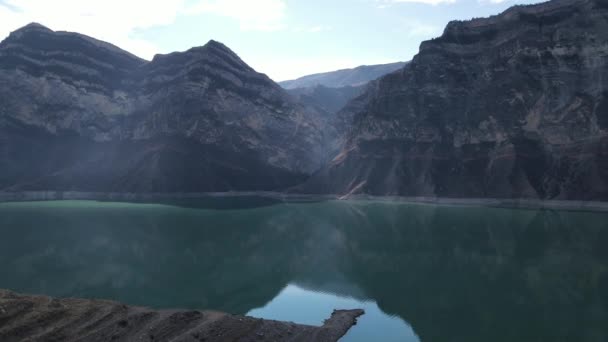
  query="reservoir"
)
[{"x": 421, "y": 272}]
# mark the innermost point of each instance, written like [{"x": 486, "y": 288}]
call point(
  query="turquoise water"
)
[{"x": 421, "y": 272}]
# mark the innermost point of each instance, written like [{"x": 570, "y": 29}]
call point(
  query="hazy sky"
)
[{"x": 282, "y": 38}]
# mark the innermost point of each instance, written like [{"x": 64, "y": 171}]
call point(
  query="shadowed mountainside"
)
[
  {"x": 77, "y": 113},
  {"x": 326, "y": 99}
]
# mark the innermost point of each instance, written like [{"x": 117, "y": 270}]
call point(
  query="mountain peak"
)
[
  {"x": 220, "y": 48},
  {"x": 76, "y": 58},
  {"x": 31, "y": 27},
  {"x": 40, "y": 37},
  {"x": 216, "y": 43},
  {"x": 222, "y": 52},
  {"x": 212, "y": 47}
]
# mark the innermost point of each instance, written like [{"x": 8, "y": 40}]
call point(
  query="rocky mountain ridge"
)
[
  {"x": 512, "y": 106},
  {"x": 80, "y": 114}
]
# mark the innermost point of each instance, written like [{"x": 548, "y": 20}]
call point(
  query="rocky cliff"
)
[
  {"x": 514, "y": 105},
  {"x": 77, "y": 113}
]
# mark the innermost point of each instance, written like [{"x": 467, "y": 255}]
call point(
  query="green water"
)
[{"x": 421, "y": 272}]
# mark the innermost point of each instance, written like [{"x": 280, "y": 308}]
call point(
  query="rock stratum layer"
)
[
  {"x": 514, "y": 105},
  {"x": 78, "y": 113},
  {"x": 41, "y": 318}
]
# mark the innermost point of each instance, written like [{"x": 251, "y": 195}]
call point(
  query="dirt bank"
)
[
  {"x": 292, "y": 197},
  {"x": 41, "y": 318}
]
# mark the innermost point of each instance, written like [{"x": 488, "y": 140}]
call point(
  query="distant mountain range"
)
[
  {"x": 326, "y": 99},
  {"x": 331, "y": 91},
  {"x": 343, "y": 78},
  {"x": 511, "y": 106}
]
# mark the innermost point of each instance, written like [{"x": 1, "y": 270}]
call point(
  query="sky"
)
[{"x": 284, "y": 39}]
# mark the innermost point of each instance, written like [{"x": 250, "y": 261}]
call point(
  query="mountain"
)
[
  {"x": 80, "y": 114},
  {"x": 511, "y": 106},
  {"x": 342, "y": 78},
  {"x": 330, "y": 92},
  {"x": 329, "y": 100}
]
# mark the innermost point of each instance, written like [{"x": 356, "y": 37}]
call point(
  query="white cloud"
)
[
  {"x": 110, "y": 20},
  {"x": 313, "y": 29},
  {"x": 256, "y": 15},
  {"x": 388, "y": 3},
  {"x": 424, "y": 31},
  {"x": 116, "y": 21},
  {"x": 417, "y": 29},
  {"x": 318, "y": 28}
]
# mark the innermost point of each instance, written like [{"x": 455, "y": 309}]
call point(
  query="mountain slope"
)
[
  {"x": 330, "y": 100},
  {"x": 80, "y": 114},
  {"x": 342, "y": 78},
  {"x": 330, "y": 92},
  {"x": 509, "y": 106}
]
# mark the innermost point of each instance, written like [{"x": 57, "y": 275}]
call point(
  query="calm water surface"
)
[{"x": 421, "y": 272}]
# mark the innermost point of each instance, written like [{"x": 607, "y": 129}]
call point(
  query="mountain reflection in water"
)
[{"x": 447, "y": 273}]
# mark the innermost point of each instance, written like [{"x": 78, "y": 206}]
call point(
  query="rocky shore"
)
[
  {"x": 522, "y": 203},
  {"x": 41, "y": 318}
]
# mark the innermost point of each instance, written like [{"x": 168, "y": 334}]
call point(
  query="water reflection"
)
[
  {"x": 452, "y": 273},
  {"x": 309, "y": 307}
]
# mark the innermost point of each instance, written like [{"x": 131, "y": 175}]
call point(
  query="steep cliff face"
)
[
  {"x": 514, "y": 105},
  {"x": 81, "y": 114}
]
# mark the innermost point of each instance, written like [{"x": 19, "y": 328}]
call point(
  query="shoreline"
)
[{"x": 31, "y": 196}]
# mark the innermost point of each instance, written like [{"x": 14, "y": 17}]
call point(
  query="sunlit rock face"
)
[
  {"x": 80, "y": 114},
  {"x": 514, "y": 105}
]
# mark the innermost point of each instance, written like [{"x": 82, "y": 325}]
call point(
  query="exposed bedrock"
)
[
  {"x": 77, "y": 113},
  {"x": 513, "y": 105}
]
